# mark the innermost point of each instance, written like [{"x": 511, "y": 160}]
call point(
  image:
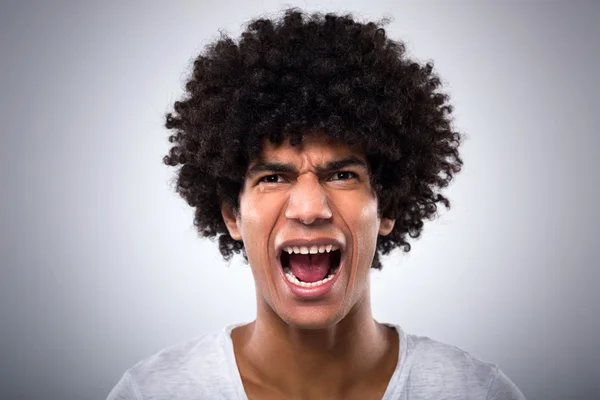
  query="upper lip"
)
[{"x": 308, "y": 243}]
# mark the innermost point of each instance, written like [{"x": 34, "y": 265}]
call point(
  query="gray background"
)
[{"x": 101, "y": 265}]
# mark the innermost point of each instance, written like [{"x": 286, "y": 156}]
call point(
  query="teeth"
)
[
  {"x": 292, "y": 278},
  {"x": 312, "y": 250}
]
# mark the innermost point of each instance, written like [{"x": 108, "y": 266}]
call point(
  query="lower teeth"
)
[{"x": 292, "y": 278}]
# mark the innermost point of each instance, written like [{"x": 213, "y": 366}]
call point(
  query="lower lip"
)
[{"x": 311, "y": 293}]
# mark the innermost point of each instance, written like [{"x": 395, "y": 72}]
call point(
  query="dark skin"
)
[
  {"x": 329, "y": 346},
  {"x": 348, "y": 365}
]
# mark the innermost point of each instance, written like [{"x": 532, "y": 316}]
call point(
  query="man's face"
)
[{"x": 313, "y": 198}]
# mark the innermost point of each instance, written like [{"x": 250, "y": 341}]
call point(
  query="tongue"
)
[{"x": 310, "y": 267}]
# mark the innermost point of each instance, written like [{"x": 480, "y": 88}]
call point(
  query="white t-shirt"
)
[{"x": 205, "y": 368}]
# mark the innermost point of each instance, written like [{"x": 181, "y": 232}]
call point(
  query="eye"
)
[
  {"x": 343, "y": 176},
  {"x": 271, "y": 179}
]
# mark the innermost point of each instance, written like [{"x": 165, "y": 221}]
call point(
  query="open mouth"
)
[{"x": 310, "y": 267}]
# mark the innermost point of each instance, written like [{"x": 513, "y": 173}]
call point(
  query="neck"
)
[{"x": 332, "y": 359}]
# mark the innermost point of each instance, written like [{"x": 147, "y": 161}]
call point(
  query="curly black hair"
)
[{"x": 306, "y": 73}]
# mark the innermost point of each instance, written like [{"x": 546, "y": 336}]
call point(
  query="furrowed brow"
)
[
  {"x": 321, "y": 169},
  {"x": 343, "y": 163},
  {"x": 270, "y": 167}
]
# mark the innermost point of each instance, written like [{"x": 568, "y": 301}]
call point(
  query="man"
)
[{"x": 310, "y": 146}]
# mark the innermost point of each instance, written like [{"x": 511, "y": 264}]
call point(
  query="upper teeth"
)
[{"x": 310, "y": 250}]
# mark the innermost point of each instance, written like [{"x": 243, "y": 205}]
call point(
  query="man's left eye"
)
[{"x": 343, "y": 175}]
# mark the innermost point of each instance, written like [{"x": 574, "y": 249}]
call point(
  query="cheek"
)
[
  {"x": 252, "y": 215},
  {"x": 258, "y": 218},
  {"x": 367, "y": 228},
  {"x": 367, "y": 216}
]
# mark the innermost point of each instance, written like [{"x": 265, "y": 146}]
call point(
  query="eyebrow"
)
[{"x": 330, "y": 166}]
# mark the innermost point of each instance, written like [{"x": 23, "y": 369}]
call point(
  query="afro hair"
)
[{"x": 302, "y": 73}]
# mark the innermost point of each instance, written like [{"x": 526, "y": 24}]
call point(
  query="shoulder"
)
[
  {"x": 437, "y": 369},
  {"x": 430, "y": 354},
  {"x": 202, "y": 352},
  {"x": 192, "y": 366}
]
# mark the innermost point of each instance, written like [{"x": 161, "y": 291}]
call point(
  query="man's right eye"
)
[{"x": 271, "y": 179}]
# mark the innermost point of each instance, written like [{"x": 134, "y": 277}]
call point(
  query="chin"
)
[{"x": 312, "y": 317}]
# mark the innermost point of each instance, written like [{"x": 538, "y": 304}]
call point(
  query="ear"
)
[
  {"x": 230, "y": 219},
  {"x": 385, "y": 226}
]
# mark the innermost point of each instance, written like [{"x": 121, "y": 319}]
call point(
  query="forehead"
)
[{"x": 313, "y": 148}]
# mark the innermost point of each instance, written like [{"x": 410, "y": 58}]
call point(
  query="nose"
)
[{"x": 308, "y": 201}]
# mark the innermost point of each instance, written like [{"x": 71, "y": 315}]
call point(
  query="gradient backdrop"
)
[{"x": 101, "y": 266}]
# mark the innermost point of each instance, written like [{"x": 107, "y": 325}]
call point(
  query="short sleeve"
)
[
  {"x": 125, "y": 389},
  {"x": 502, "y": 388}
]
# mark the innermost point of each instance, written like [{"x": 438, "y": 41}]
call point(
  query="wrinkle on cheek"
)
[
  {"x": 351, "y": 246},
  {"x": 259, "y": 232},
  {"x": 354, "y": 267},
  {"x": 280, "y": 213},
  {"x": 268, "y": 271}
]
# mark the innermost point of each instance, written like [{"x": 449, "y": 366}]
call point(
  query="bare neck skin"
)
[{"x": 356, "y": 355}]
